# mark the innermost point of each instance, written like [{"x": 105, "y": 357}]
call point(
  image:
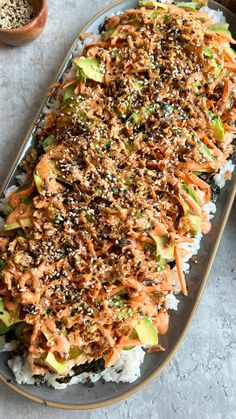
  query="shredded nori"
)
[
  {"x": 9, "y": 336},
  {"x": 95, "y": 367},
  {"x": 64, "y": 380},
  {"x": 102, "y": 26},
  {"x": 172, "y": 264},
  {"x": 39, "y": 380},
  {"x": 215, "y": 192}
]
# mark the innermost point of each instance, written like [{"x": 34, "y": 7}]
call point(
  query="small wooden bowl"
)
[{"x": 32, "y": 30}]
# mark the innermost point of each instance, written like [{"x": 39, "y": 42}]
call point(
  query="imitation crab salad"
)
[{"x": 113, "y": 201}]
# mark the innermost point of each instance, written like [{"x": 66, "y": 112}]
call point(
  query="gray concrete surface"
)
[{"x": 200, "y": 381}]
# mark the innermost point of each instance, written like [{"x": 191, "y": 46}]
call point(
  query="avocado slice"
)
[
  {"x": 69, "y": 93},
  {"x": 7, "y": 209},
  {"x": 195, "y": 223},
  {"x": 48, "y": 142},
  {"x": 55, "y": 364},
  {"x": 162, "y": 263},
  {"x": 152, "y": 4},
  {"x": 146, "y": 331},
  {"x": 221, "y": 28},
  {"x": 195, "y": 5},
  {"x": 160, "y": 241},
  {"x": 168, "y": 253},
  {"x": 1, "y": 304},
  {"x": 5, "y": 317},
  {"x": 7, "y": 320},
  {"x": 12, "y": 226},
  {"x": 217, "y": 127},
  {"x": 192, "y": 222},
  {"x": 89, "y": 68},
  {"x": 205, "y": 150},
  {"x": 190, "y": 192},
  {"x": 184, "y": 206},
  {"x": 15, "y": 225},
  {"x": 38, "y": 183},
  {"x": 165, "y": 252},
  {"x": 75, "y": 351},
  {"x": 218, "y": 130}
]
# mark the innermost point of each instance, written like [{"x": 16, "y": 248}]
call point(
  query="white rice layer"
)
[
  {"x": 126, "y": 370},
  {"x": 219, "y": 178}
]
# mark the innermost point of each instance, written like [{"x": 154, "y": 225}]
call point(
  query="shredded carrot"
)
[
  {"x": 105, "y": 248},
  {"x": 228, "y": 57},
  {"x": 69, "y": 83},
  {"x": 16, "y": 198},
  {"x": 162, "y": 322},
  {"x": 25, "y": 193},
  {"x": 222, "y": 37},
  {"x": 138, "y": 298},
  {"x": 134, "y": 12},
  {"x": 146, "y": 239},
  {"x": 227, "y": 89},
  {"x": 106, "y": 333},
  {"x": 180, "y": 271},
  {"x": 90, "y": 245},
  {"x": 199, "y": 167},
  {"x": 219, "y": 79},
  {"x": 214, "y": 150},
  {"x": 79, "y": 88},
  {"x": 228, "y": 115},
  {"x": 200, "y": 183},
  {"x": 231, "y": 66},
  {"x": 159, "y": 287},
  {"x": 54, "y": 85},
  {"x": 129, "y": 343},
  {"x": 111, "y": 358},
  {"x": 190, "y": 201},
  {"x": 133, "y": 283},
  {"x": 229, "y": 128}
]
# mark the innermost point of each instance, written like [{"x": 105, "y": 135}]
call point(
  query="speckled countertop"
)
[{"x": 200, "y": 381}]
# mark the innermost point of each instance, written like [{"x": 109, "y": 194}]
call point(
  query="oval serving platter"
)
[{"x": 79, "y": 396}]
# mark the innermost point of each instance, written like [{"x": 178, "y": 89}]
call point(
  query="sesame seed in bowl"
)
[
  {"x": 15, "y": 13},
  {"x": 22, "y": 21}
]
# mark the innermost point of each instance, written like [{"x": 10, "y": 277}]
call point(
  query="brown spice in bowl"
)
[{"x": 15, "y": 13}]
